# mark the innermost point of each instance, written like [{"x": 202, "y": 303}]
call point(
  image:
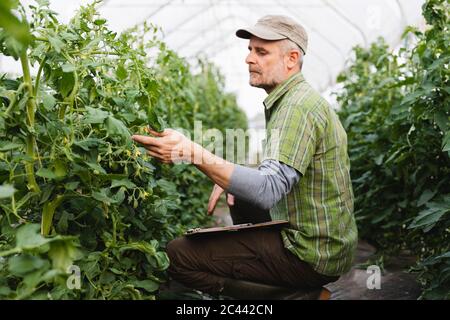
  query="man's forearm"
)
[{"x": 216, "y": 168}]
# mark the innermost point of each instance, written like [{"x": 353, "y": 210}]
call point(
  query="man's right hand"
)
[{"x": 215, "y": 196}]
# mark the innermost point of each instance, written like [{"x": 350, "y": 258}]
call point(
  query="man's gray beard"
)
[
  {"x": 268, "y": 86},
  {"x": 265, "y": 86}
]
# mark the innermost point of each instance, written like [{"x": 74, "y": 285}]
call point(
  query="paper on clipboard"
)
[{"x": 237, "y": 227}]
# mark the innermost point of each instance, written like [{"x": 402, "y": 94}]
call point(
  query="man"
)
[{"x": 304, "y": 178}]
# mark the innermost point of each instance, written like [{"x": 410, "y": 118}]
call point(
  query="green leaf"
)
[
  {"x": 46, "y": 173},
  {"x": 107, "y": 278},
  {"x": 5, "y": 291},
  {"x": 121, "y": 72},
  {"x": 66, "y": 84},
  {"x": 425, "y": 197},
  {"x": 152, "y": 119},
  {"x": 141, "y": 246},
  {"x": 49, "y": 101},
  {"x": 68, "y": 67},
  {"x": 123, "y": 183},
  {"x": 13, "y": 46},
  {"x": 382, "y": 215},
  {"x": 428, "y": 218},
  {"x": 28, "y": 237},
  {"x": 119, "y": 101},
  {"x": 116, "y": 271},
  {"x": 95, "y": 115},
  {"x": 119, "y": 196},
  {"x": 63, "y": 222},
  {"x": 89, "y": 143},
  {"x": 25, "y": 263},
  {"x": 15, "y": 28},
  {"x": 444, "y": 256},
  {"x": 62, "y": 253},
  {"x": 7, "y": 146},
  {"x": 69, "y": 36},
  {"x": 168, "y": 186},
  {"x": 442, "y": 120},
  {"x": 6, "y": 191},
  {"x": 116, "y": 127},
  {"x": 25, "y": 199},
  {"x": 43, "y": 3},
  {"x": 71, "y": 185},
  {"x": 147, "y": 285},
  {"x": 56, "y": 43},
  {"x": 395, "y": 154},
  {"x": 96, "y": 167},
  {"x": 162, "y": 260},
  {"x": 439, "y": 63},
  {"x": 407, "y": 101},
  {"x": 99, "y": 22},
  {"x": 446, "y": 142},
  {"x": 60, "y": 169},
  {"x": 128, "y": 117},
  {"x": 32, "y": 279},
  {"x": 46, "y": 193},
  {"x": 104, "y": 196}
]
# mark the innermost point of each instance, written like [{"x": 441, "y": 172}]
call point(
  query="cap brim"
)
[{"x": 260, "y": 32}]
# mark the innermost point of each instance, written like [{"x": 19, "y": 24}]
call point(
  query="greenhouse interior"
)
[{"x": 224, "y": 150}]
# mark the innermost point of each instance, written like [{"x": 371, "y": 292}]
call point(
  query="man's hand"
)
[
  {"x": 215, "y": 196},
  {"x": 168, "y": 146}
]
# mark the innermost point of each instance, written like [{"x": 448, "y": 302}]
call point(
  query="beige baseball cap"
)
[{"x": 277, "y": 27}]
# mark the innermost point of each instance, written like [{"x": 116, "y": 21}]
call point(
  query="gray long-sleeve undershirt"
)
[{"x": 264, "y": 186}]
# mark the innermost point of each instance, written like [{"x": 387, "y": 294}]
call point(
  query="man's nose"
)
[{"x": 250, "y": 58}]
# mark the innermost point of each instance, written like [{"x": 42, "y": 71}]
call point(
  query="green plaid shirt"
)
[{"x": 304, "y": 132}]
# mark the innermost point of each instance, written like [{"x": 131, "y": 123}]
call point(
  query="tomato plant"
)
[
  {"x": 74, "y": 188},
  {"x": 396, "y": 110}
]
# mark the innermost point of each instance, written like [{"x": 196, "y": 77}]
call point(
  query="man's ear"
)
[{"x": 293, "y": 57}]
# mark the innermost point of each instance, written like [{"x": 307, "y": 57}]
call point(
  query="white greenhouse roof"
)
[{"x": 207, "y": 27}]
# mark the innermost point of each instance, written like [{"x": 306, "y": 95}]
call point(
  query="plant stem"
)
[
  {"x": 11, "y": 251},
  {"x": 109, "y": 53},
  {"x": 38, "y": 77},
  {"x": 70, "y": 99},
  {"x": 48, "y": 212},
  {"x": 41, "y": 39},
  {"x": 31, "y": 108},
  {"x": 149, "y": 106}
]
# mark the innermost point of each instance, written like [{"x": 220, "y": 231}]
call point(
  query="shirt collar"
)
[{"x": 282, "y": 88}]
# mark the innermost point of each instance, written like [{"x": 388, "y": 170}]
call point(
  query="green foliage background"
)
[
  {"x": 74, "y": 187},
  {"x": 395, "y": 108}
]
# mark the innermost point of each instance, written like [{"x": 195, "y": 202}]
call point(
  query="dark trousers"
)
[{"x": 205, "y": 262}]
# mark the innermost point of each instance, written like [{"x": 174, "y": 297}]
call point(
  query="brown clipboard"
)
[{"x": 237, "y": 227}]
